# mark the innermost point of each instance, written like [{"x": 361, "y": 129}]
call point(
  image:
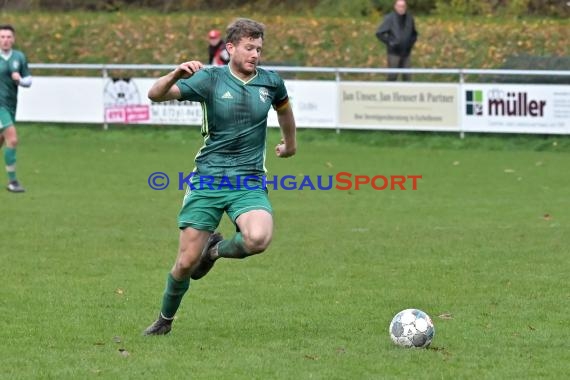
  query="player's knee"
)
[
  {"x": 256, "y": 242},
  {"x": 11, "y": 142},
  {"x": 184, "y": 264}
]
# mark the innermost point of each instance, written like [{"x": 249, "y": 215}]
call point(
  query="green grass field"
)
[{"x": 482, "y": 246}]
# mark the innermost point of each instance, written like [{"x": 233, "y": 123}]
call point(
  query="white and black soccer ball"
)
[{"x": 412, "y": 328}]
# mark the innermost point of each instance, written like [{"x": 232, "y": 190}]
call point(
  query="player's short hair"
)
[
  {"x": 7, "y": 27},
  {"x": 244, "y": 27}
]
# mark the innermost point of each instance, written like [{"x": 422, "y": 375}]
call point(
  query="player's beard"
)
[{"x": 247, "y": 67}]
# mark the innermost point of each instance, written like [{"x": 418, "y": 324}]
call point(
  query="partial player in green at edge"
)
[{"x": 13, "y": 73}]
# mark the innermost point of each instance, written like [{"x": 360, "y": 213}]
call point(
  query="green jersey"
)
[
  {"x": 16, "y": 62},
  {"x": 234, "y": 123}
]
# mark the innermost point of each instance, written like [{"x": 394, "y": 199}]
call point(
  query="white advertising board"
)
[
  {"x": 516, "y": 108},
  {"x": 412, "y": 106},
  {"x": 314, "y": 103},
  {"x": 124, "y": 100},
  {"x": 62, "y": 100},
  {"x": 501, "y": 108}
]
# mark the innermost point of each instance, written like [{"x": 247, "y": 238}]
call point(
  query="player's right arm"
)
[
  {"x": 384, "y": 31},
  {"x": 165, "y": 87}
]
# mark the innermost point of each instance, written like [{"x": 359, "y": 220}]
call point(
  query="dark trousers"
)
[{"x": 399, "y": 62}]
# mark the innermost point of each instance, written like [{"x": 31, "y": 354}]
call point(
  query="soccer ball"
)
[{"x": 412, "y": 328}]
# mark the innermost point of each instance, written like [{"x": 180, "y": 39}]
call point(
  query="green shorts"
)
[
  {"x": 6, "y": 118},
  {"x": 203, "y": 209}
]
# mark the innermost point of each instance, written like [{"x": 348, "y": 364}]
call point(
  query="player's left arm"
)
[
  {"x": 286, "y": 119},
  {"x": 22, "y": 77}
]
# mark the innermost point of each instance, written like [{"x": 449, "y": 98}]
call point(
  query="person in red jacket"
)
[{"x": 218, "y": 55}]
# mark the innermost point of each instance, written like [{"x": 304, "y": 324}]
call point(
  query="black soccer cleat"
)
[
  {"x": 206, "y": 261},
  {"x": 161, "y": 326},
  {"x": 15, "y": 187}
]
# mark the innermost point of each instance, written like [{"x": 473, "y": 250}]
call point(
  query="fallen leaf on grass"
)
[
  {"x": 117, "y": 339},
  {"x": 531, "y": 328},
  {"x": 329, "y": 165},
  {"x": 340, "y": 350},
  {"x": 119, "y": 291},
  {"x": 99, "y": 343},
  {"x": 445, "y": 316},
  {"x": 123, "y": 352},
  {"x": 359, "y": 229},
  {"x": 547, "y": 217},
  {"x": 312, "y": 357}
]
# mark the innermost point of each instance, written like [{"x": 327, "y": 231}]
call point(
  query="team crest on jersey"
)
[
  {"x": 16, "y": 65},
  {"x": 263, "y": 94}
]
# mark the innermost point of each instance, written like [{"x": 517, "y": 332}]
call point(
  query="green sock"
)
[
  {"x": 233, "y": 248},
  {"x": 10, "y": 160},
  {"x": 173, "y": 294}
]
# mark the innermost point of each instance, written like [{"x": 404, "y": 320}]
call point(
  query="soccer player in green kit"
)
[
  {"x": 235, "y": 101},
  {"x": 13, "y": 73}
]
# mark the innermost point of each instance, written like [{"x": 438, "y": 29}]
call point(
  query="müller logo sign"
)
[{"x": 503, "y": 103}]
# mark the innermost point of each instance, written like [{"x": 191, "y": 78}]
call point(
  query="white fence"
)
[{"x": 337, "y": 103}]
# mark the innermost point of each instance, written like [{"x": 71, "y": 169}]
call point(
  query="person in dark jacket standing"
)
[{"x": 398, "y": 32}]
